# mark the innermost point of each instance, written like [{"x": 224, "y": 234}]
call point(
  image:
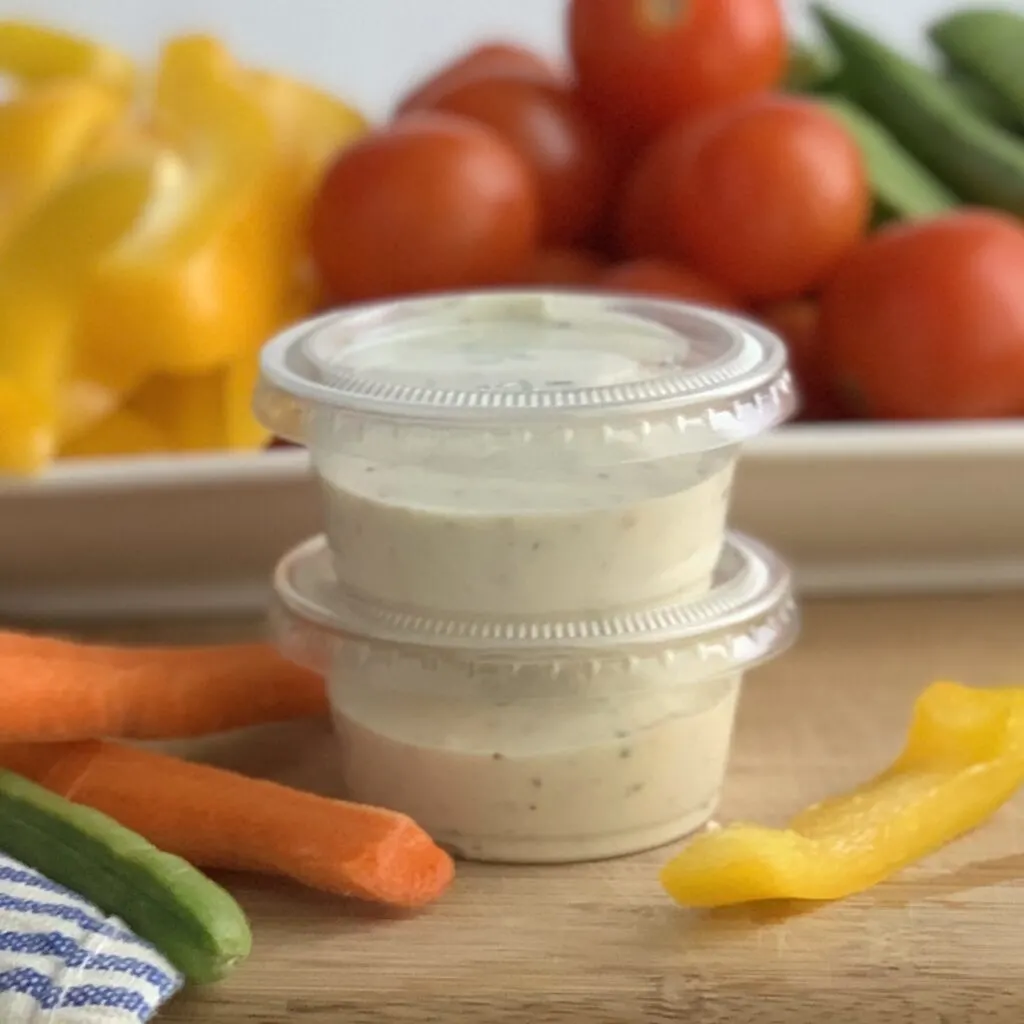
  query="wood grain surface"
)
[{"x": 601, "y": 944}]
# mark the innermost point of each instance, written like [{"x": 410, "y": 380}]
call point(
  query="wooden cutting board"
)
[{"x": 601, "y": 944}]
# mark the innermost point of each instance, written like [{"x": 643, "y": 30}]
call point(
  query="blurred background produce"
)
[
  {"x": 152, "y": 236},
  {"x": 159, "y": 220}
]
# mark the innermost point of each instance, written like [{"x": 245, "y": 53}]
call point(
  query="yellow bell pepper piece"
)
[
  {"x": 35, "y": 53},
  {"x": 123, "y": 432},
  {"x": 44, "y": 134},
  {"x": 205, "y": 412},
  {"x": 964, "y": 758},
  {"x": 310, "y": 126},
  {"x": 199, "y": 281},
  {"x": 42, "y": 271},
  {"x": 189, "y": 411}
]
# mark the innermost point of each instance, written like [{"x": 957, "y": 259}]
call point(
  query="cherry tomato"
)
[
  {"x": 433, "y": 202},
  {"x": 667, "y": 280},
  {"x": 646, "y": 63},
  {"x": 768, "y": 196},
  {"x": 797, "y": 322},
  {"x": 551, "y": 132},
  {"x": 484, "y": 61},
  {"x": 926, "y": 320},
  {"x": 565, "y": 268},
  {"x": 642, "y": 227}
]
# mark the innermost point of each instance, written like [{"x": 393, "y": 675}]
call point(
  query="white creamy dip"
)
[
  {"x": 624, "y": 755},
  {"x": 538, "y": 740},
  {"x": 413, "y": 536},
  {"x": 524, "y": 453},
  {"x": 533, "y": 627}
]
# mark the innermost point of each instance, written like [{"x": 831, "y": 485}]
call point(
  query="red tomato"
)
[
  {"x": 797, "y": 322},
  {"x": 667, "y": 280},
  {"x": 550, "y": 131},
  {"x": 487, "y": 60},
  {"x": 926, "y": 320},
  {"x": 768, "y": 196},
  {"x": 645, "y": 63},
  {"x": 642, "y": 226},
  {"x": 562, "y": 267},
  {"x": 434, "y": 202}
]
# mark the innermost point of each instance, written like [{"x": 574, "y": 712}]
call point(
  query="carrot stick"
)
[
  {"x": 219, "y": 819},
  {"x": 58, "y": 690}
]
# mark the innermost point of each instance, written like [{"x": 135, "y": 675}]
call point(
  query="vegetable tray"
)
[{"x": 858, "y": 509}]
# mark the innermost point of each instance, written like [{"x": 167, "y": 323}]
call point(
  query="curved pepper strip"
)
[
  {"x": 201, "y": 412},
  {"x": 964, "y": 758},
  {"x": 45, "y": 133},
  {"x": 198, "y": 282},
  {"x": 42, "y": 272},
  {"x": 123, "y": 432},
  {"x": 36, "y": 53},
  {"x": 311, "y": 127},
  {"x": 213, "y": 410},
  {"x": 204, "y": 412}
]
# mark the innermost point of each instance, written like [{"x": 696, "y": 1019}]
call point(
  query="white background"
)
[{"x": 367, "y": 50}]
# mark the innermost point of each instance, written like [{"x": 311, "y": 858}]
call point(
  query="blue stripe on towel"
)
[
  {"x": 71, "y": 954},
  {"x": 33, "y": 880},
  {"x": 60, "y": 956},
  {"x": 87, "y": 922},
  {"x": 29, "y": 982}
]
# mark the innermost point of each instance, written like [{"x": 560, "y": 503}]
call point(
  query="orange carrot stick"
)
[
  {"x": 219, "y": 819},
  {"x": 58, "y": 690}
]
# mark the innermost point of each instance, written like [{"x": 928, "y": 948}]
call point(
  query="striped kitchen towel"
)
[{"x": 62, "y": 961}]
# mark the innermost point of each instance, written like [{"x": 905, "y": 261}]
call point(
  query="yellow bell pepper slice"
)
[
  {"x": 198, "y": 282},
  {"x": 42, "y": 272},
  {"x": 36, "y": 53},
  {"x": 189, "y": 411},
  {"x": 123, "y": 433},
  {"x": 44, "y": 134},
  {"x": 205, "y": 412},
  {"x": 964, "y": 758},
  {"x": 310, "y": 125}
]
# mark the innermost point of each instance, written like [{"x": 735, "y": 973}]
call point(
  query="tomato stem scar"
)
[{"x": 660, "y": 14}]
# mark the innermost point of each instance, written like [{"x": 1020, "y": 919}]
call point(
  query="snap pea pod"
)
[
  {"x": 903, "y": 187},
  {"x": 987, "y": 47},
  {"x": 979, "y": 161},
  {"x": 195, "y": 923},
  {"x": 810, "y": 68},
  {"x": 987, "y": 103}
]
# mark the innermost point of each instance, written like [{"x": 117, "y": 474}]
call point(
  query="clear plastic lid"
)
[
  {"x": 517, "y": 362},
  {"x": 748, "y": 615}
]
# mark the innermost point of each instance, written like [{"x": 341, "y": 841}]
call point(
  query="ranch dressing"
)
[
  {"x": 414, "y": 536},
  {"x": 508, "y": 745},
  {"x": 525, "y": 453},
  {"x": 636, "y": 764}
]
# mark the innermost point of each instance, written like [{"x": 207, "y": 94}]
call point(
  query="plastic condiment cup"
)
[
  {"x": 539, "y": 740},
  {"x": 522, "y": 453}
]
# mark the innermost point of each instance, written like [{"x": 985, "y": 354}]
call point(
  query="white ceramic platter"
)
[{"x": 856, "y": 509}]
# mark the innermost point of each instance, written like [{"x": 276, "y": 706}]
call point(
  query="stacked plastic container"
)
[{"x": 532, "y": 619}]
